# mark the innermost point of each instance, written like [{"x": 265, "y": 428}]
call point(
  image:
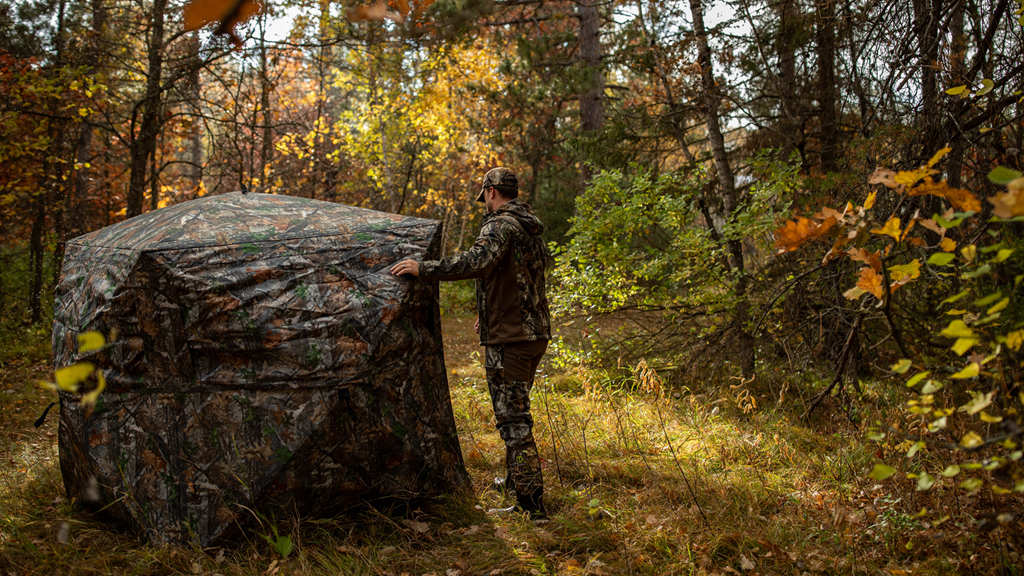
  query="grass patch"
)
[{"x": 640, "y": 479}]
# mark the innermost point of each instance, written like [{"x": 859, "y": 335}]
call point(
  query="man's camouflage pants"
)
[{"x": 510, "y": 370}]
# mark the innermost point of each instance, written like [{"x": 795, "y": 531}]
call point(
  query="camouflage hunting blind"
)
[{"x": 264, "y": 357}]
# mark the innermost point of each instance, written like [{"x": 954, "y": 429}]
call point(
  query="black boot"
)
[{"x": 533, "y": 503}]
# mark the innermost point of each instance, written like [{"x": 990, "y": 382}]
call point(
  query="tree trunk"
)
[
  {"x": 267, "y": 143},
  {"x": 826, "y": 52},
  {"x": 35, "y": 289},
  {"x": 154, "y": 179},
  {"x": 53, "y": 193},
  {"x": 143, "y": 142},
  {"x": 958, "y": 72},
  {"x": 196, "y": 134},
  {"x": 926, "y": 22},
  {"x": 727, "y": 183},
  {"x": 591, "y": 97},
  {"x": 785, "y": 50},
  {"x": 592, "y": 94}
]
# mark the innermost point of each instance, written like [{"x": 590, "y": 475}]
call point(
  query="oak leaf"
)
[
  {"x": 794, "y": 233},
  {"x": 871, "y": 282},
  {"x": 961, "y": 199},
  {"x": 872, "y": 259}
]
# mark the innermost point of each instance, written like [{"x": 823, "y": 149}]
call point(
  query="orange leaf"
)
[
  {"x": 229, "y": 13},
  {"x": 872, "y": 259},
  {"x": 961, "y": 199},
  {"x": 870, "y": 281},
  {"x": 1011, "y": 203},
  {"x": 377, "y": 11},
  {"x": 794, "y": 233}
]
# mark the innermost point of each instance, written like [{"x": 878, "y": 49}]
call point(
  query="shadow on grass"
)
[{"x": 42, "y": 533}]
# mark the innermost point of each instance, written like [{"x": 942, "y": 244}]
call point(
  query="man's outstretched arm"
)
[{"x": 489, "y": 247}]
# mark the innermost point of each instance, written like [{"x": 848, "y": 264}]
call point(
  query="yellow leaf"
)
[
  {"x": 891, "y": 228},
  {"x": 979, "y": 401},
  {"x": 969, "y": 252},
  {"x": 92, "y": 396},
  {"x": 972, "y": 370},
  {"x": 963, "y": 345},
  {"x": 986, "y": 86},
  {"x": 869, "y": 202},
  {"x": 957, "y": 90},
  {"x": 1003, "y": 254},
  {"x": 1015, "y": 339},
  {"x": 938, "y": 156},
  {"x": 70, "y": 377},
  {"x": 957, "y": 329},
  {"x": 89, "y": 341},
  {"x": 902, "y": 366},
  {"x": 986, "y": 417},
  {"x": 947, "y": 244},
  {"x": 971, "y": 440},
  {"x": 906, "y": 272},
  {"x": 907, "y": 178},
  {"x": 998, "y": 306}
]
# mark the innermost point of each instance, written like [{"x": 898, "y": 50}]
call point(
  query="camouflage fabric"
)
[
  {"x": 503, "y": 179},
  {"x": 510, "y": 369},
  {"x": 508, "y": 259},
  {"x": 264, "y": 357}
]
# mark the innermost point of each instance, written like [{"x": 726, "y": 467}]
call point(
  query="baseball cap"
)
[{"x": 501, "y": 178}]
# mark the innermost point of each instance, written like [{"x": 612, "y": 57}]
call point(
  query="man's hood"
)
[{"x": 522, "y": 212}]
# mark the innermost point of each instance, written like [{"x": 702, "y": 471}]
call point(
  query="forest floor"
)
[{"x": 640, "y": 480}]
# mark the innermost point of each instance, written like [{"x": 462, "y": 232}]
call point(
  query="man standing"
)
[{"x": 508, "y": 260}]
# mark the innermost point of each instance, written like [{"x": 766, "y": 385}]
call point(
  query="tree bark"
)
[
  {"x": 927, "y": 14},
  {"x": 957, "y": 73},
  {"x": 143, "y": 142},
  {"x": 591, "y": 99},
  {"x": 826, "y": 53},
  {"x": 267, "y": 141},
  {"x": 35, "y": 289},
  {"x": 196, "y": 134},
  {"x": 727, "y": 183},
  {"x": 592, "y": 94},
  {"x": 785, "y": 49}
]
